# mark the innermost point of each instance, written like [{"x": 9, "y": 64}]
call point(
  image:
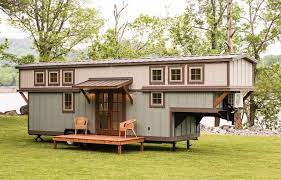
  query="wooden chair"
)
[
  {"x": 127, "y": 125},
  {"x": 81, "y": 123}
]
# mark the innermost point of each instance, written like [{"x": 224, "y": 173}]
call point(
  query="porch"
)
[{"x": 99, "y": 139}]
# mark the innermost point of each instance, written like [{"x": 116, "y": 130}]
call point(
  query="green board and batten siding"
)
[{"x": 46, "y": 111}]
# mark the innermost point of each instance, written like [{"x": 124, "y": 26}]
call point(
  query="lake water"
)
[{"x": 11, "y": 101}]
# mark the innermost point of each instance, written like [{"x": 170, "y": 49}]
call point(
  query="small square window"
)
[
  {"x": 157, "y": 99},
  {"x": 176, "y": 75},
  {"x": 196, "y": 74},
  {"x": 54, "y": 78},
  {"x": 157, "y": 75},
  {"x": 68, "y": 77},
  {"x": 39, "y": 78},
  {"x": 68, "y": 102}
]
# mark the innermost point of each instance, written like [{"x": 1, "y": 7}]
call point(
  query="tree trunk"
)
[
  {"x": 229, "y": 27},
  {"x": 237, "y": 120}
]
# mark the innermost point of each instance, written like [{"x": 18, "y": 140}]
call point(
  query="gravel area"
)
[{"x": 252, "y": 131}]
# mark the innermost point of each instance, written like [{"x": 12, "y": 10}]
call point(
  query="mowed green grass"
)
[{"x": 211, "y": 157}]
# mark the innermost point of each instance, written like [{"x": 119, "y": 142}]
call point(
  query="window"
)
[
  {"x": 68, "y": 102},
  {"x": 196, "y": 74},
  {"x": 54, "y": 77},
  {"x": 157, "y": 75},
  {"x": 176, "y": 75},
  {"x": 157, "y": 99},
  {"x": 39, "y": 78},
  {"x": 67, "y": 77}
]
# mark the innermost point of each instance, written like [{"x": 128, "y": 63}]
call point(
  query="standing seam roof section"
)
[{"x": 140, "y": 61}]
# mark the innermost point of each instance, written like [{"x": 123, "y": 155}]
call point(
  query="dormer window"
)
[
  {"x": 196, "y": 74},
  {"x": 39, "y": 78},
  {"x": 68, "y": 77},
  {"x": 157, "y": 75},
  {"x": 176, "y": 75},
  {"x": 54, "y": 78}
]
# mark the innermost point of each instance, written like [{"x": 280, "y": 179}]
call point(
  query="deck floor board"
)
[{"x": 99, "y": 139}]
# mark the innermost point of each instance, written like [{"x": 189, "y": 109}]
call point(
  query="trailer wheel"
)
[
  {"x": 39, "y": 138},
  {"x": 67, "y": 132}
]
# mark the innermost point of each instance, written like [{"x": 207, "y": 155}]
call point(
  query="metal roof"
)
[
  {"x": 104, "y": 83},
  {"x": 137, "y": 61}
]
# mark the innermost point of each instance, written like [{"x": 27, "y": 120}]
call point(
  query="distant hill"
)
[
  {"x": 271, "y": 59},
  {"x": 20, "y": 47}
]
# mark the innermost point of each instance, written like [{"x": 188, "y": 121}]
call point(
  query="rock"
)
[
  {"x": 255, "y": 128},
  {"x": 1, "y": 113},
  {"x": 24, "y": 110},
  {"x": 11, "y": 113},
  {"x": 216, "y": 130},
  {"x": 226, "y": 127}
]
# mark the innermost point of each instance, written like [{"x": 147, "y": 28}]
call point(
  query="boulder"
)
[
  {"x": 226, "y": 127},
  {"x": 11, "y": 113},
  {"x": 24, "y": 110}
]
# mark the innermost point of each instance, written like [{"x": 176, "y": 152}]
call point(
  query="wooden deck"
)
[{"x": 99, "y": 139}]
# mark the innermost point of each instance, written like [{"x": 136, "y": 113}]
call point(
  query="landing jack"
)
[{"x": 39, "y": 138}]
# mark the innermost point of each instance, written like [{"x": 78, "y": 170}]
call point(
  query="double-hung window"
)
[
  {"x": 196, "y": 74},
  {"x": 39, "y": 78},
  {"x": 157, "y": 99},
  {"x": 157, "y": 75},
  {"x": 54, "y": 78},
  {"x": 67, "y": 77},
  {"x": 68, "y": 102},
  {"x": 176, "y": 75}
]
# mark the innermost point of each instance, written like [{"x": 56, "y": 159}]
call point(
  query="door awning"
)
[{"x": 104, "y": 83}]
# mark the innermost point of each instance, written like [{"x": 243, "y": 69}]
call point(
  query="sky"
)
[{"x": 159, "y": 8}]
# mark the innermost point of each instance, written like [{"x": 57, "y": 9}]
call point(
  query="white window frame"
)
[
  {"x": 72, "y": 102},
  {"x": 201, "y": 74},
  {"x": 63, "y": 77},
  {"x": 58, "y": 78},
  {"x": 170, "y": 74},
  {"x": 162, "y": 75},
  {"x": 162, "y": 100},
  {"x": 36, "y": 83}
]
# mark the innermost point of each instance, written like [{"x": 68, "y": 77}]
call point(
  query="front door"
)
[{"x": 110, "y": 111}]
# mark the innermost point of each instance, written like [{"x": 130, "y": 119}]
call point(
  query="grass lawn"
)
[{"x": 217, "y": 157}]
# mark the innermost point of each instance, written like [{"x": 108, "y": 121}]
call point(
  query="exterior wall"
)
[
  {"x": 45, "y": 112},
  {"x": 241, "y": 73},
  {"x": 26, "y": 78},
  {"x": 158, "y": 119},
  {"x": 215, "y": 74}
]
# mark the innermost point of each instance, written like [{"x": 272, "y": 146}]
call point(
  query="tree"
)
[
  {"x": 145, "y": 36},
  {"x": 261, "y": 25},
  {"x": 268, "y": 95},
  {"x": 56, "y": 26}
]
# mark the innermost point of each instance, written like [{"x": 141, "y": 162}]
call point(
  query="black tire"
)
[{"x": 67, "y": 132}]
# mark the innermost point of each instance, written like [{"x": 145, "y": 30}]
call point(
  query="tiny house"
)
[{"x": 168, "y": 96}]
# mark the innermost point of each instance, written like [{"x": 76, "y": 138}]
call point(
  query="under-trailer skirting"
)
[{"x": 99, "y": 139}]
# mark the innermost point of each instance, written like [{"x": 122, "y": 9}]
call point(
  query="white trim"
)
[
  {"x": 49, "y": 77},
  {"x": 162, "y": 75},
  {"x": 63, "y": 77},
  {"x": 189, "y": 74},
  {"x": 170, "y": 74},
  {"x": 162, "y": 99},
  {"x": 72, "y": 104},
  {"x": 39, "y": 83}
]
